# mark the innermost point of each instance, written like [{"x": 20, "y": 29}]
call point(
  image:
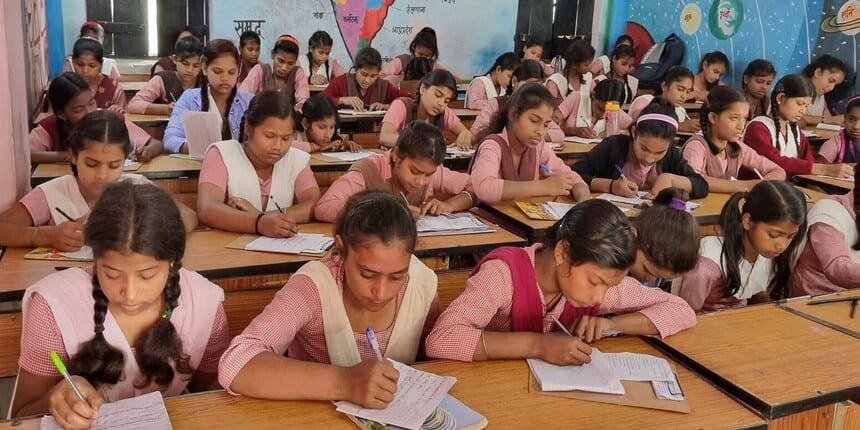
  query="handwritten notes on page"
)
[
  {"x": 146, "y": 412},
  {"x": 301, "y": 243},
  {"x": 595, "y": 376}
]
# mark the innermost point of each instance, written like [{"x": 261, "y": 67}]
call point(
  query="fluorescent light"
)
[{"x": 152, "y": 27}]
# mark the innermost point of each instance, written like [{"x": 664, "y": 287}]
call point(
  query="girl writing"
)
[
  {"x": 493, "y": 83},
  {"x": 160, "y": 94},
  {"x": 758, "y": 77},
  {"x": 677, "y": 86},
  {"x": 603, "y": 64},
  {"x": 362, "y": 89},
  {"x": 844, "y": 147},
  {"x": 282, "y": 75},
  {"x": 589, "y": 121},
  {"x": 712, "y": 67},
  {"x": 317, "y": 65},
  {"x": 319, "y": 127},
  {"x": 825, "y": 73},
  {"x": 167, "y": 62},
  {"x": 87, "y": 60},
  {"x": 423, "y": 45}
]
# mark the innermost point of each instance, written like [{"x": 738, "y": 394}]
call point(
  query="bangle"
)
[
  {"x": 612, "y": 182},
  {"x": 257, "y": 223},
  {"x": 484, "y": 344},
  {"x": 33, "y": 238},
  {"x": 469, "y": 195}
]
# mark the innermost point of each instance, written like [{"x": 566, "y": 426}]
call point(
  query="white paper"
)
[
  {"x": 311, "y": 243},
  {"x": 831, "y": 127},
  {"x": 146, "y": 412},
  {"x": 462, "y": 221},
  {"x": 85, "y": 253},
  {"x": 639, "y": 367},
  {"x": 453, "y": 150},
  {"x": 557, "y": 209},
  {"x": 809, "y": 133},
  {"x": 201, "y": 129},
  {"x": 347, "y": 156},
  {"x": 130, "y": 165},
  {"x": 418, "y": 394},
  {"x": 595, "y": 376},
  {"x": 639, "y": 200},
  {"x": 356, "y": 112},
  {"x": 668, "y": 390},
  {"x": 577, "y": 139}
]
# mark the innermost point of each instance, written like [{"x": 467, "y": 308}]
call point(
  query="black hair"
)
[
  {"x": 657, "y": 128},
  {"x": 768, "y": 202},
  {"x": 360, "y": 221},
  {"x": 425, "y": 37},
  {"x": 417, "y": 69},
  {"x": 85, "y": 45},
  {"x": 675, "y": 74},
  {"x": 91, "y": 26},
  {"x": 529, "y": 42},
  {"x": 436, "y": 78},
  {"x": 320, "y": 39},
  {"x": 420, "y": 139},
  {"x": 61, "y": 91},
  {"x": 285, "y": 45},
  {"x": 715, "y": 57},
  {"x": 621, "y": 51},
  {"x": 578, "y": 52},
  {"x": 97, "y": 126},
  {"x": 659, "y": 221},
  {"x": 594, "y": 231},
  {"x": 267, "y": 104},
  {"x": 142, "y": 219},
  {"x": 248, "y": 36},
  {"x": 507, "y": 61},
  {"x": 214, "y": 49},
  {"x": 719, "y": 100},
  {"x": 853, "y": 103},
  {"x": 623, "y": 38},
  {"x": 318, "y": 107},
  {"x": 187, "y": 47},
  {"x": 528, "y": 96},
  {"x": 528, "y": 69},
  {"x": 758, "y": 67},
  {"x": 790, "y": 86},
  {"x": 609, "y": 90},
  {"x": 827, "y": 63},
  {"x": 367, "y": 57}
]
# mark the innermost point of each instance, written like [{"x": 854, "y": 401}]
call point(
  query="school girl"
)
[
  {"x": 217, "y": 93},
  {"x": 322, "y": 315},
  {"x": 513, "y": 161},
  {"x": 493, "y": 83},
  {"x": 621, "y": 64},
  {"x": 71, "y": 98},
  {"x": 757, "y": 79},
  {"x": 533, "y": 50},
  {"x": 362, "y": 89},
  {"x": 825, "y": 73},
  {"x": 778, "y": 136},
  {"x": 412, "y": 170},
  {"x": 262, "y": 183},
  {"x": 282, "y": 75},
  {"x": 319, "y": 127},
  {"x": 575, "y": 75},
  {"x": 750, "y": 262},
  {"x": 133, "y": 323},
  {"x": 829, "y": 260},
  {"x": 423, "y": 45},
  {"x": 648, "y": 160},
  {"x": 712, "y": 67},
  {"x": 677, "y": 86},
  {"x": 249, "y": 50},
  {"x": 87, "y": 60},
  {"x": 588, "y": 120},
  {"x": 602, "y": 65},
  {"x": 576, "y": 275},
  {"x": 718, "y": 153},
  {"x": 435, "y": 93},
  {"x": 317, "y": 65},
  {"x": 844, "y": 147},
  {"x": 168, "y": 62},
  {"x": 160, "y": 94},
  {"x": 527, "y": 71},
  {"x": 94, "y": 30}
]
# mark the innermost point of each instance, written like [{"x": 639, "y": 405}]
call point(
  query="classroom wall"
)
[
  {"x": 471, "y": 35},
  {"x": 787, "y": 32}
]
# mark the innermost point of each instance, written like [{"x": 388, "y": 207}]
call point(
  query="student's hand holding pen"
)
[
  {"x": 277, "y": 224},
  {"x": 351, "y": 103},
  {"x": 562, "y": 350},
  {"x": 584, "y": 132},
  {"x": 556, "y": 184},
  {"x": 435, "y": 207},
  {"x": 69, "y": 410},
  {"x": 371, "y": 384}
]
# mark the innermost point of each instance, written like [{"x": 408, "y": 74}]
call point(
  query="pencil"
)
[
  {"x": 64, "y": 214},
  {"x": 561, "y": 326}
]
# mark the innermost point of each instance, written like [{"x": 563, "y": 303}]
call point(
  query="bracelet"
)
[
  {"x": 484, "y": 344},
  {"x": 469, "y": 195},
  {"x": 612, "y": 182},
  {"x": 257, "y": 223},
  {"x": 33, "y": 238}
]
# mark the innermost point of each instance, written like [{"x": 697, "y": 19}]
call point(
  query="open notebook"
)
[
  {"x": 448, "y": 224},
  {"x": 146, "y": 412}
]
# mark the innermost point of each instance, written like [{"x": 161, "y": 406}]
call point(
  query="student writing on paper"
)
[
  {"x": 87, "y": 61},
  {"x": 844, "y": 147},
  {"x": 648, "y": 160},
  {"x": 71, "y": 98},
  {"x": 514, "y": 161},
  {"x": 361, "y": 89},
  {"x": 750, "y": 262},
  {"x": 97, "y": 149},
  {"x": 435, "y": 93},
  {"x": 133, "y": 323},
  {"x": 493, "y": 83},
  {"x": 317, "y": 64},
  {"x": 282, "y": 75},
  {"x": 719, "y": 154},
  {"x": 262, "y": 183},
  {"x": 319, "y": 127},
  {"x": 587, "y": 119},
  {"x": 160, "y": 94},
  {"x": 217, "y": 93},
  {"x": 677, "y": 86},
  {"x": 825, "y": 72},
  {"x": 528, "y": 71},
  {"x": 757, "y": 79},
  {"x": 576, "y": 275},
  {"x": 423, "y": 45},
  {"x": 779, "y": 138},
  {"x": 412, "y": 170},
  {"x": 829, "y": 259},
  {"x": 575, "y": 76},
  {"x": 321, "y": 315}
]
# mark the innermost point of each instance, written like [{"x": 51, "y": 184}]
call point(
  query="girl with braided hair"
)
[
  {"x": 718, "y": 153},
  {"x": 133, "y": 323}
]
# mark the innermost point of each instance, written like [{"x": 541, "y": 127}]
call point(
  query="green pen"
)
[{"x": 62, "y": 368}]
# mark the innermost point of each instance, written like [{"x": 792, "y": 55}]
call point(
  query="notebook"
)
[
  {"x": 448, "y": 224},
  {"x": 831, "y": 127},
  {"x": 451, "y": 414},
  {"x": 353, "y": 112},
  {"x": 548, "y": 211},
  {"x": 83, "y": 254},
  {"x": 639, "y": 201},
  {"x": 301, "y": 243},
  {"x": 201, "y": 130},
  {"x": 345, "y": 156},
  {"x": 146, "y": 412}
]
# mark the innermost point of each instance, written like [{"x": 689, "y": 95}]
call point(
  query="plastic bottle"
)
[{"x": 612, "y": 115}]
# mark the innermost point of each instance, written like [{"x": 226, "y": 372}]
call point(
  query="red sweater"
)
[
  {"x": 338, "y": 88},
  {"x": 758, "y": 137}
]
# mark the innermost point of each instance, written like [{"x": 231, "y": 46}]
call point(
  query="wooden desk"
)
[
  {"x": 784, "y": 366},
  {"x": 834, "y": 186},
  {"x": 316, "y": 89},
  {"x": 145, "y": 120},
  {"x": 568, "y": 151},
  {"x": 820, "y": 135},
  {"x": 497, "y": 390},
  {"x": 160, "y": 167},
  {"x": 463, "y": 114},
  {"x": 834, "y": 315},
  {"x": 133, "y": 86}
]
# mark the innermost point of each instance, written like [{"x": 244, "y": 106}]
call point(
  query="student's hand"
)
[
  {"x": 68, "y": 236},
  {"x": 149, "y": 151},
  {"x": 562, "y": 350},
  {"x": 277, "y": 224},
  {"x": 839, "y": 170},
  {"x": 170, "y": 107},
  {"x": 415, "y": 211},
  {"x": 690, "y": 126},
  {"x": 352, "y": 103},
  {"x": 623, "y": 188},
  {"x": 663, "y": 181},
  {"x": 318, "y": 80},
  {"x": 346, "y": 145},
  {"x": 464, "y": 141},
  {"x": 584, "y": 132},
  {"x": 115, "y": 108},
  {"x": 558, "y": 184},
  {"x": 435, "y": 207},
  {"x": 241, "y": 204},
  {"x": 68, "y": 410},
  {"x": 372, "y": 384},
  {"x": 378, "y": 106},
  {"x": 590, "y": 328}
]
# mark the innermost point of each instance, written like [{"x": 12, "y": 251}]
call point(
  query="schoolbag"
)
[{"x": 658, "y": 60}]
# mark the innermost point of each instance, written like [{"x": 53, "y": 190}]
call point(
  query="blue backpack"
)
[{"x": 658, "y": 60}]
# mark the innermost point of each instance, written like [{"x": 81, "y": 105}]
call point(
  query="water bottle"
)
[
  {"x": 556, "y": 64},
  {"x": 612, "y": 115}
]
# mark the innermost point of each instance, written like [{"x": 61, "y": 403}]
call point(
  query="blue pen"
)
[
  {"x": 620, "y": 172},
  {"x": 544, "y": 168},
  {"x": 374, "y": 344}
]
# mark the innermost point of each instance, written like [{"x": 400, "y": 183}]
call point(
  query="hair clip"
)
[{"x": 678, "y": 204}]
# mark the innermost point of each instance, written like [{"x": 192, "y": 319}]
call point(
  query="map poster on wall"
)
[{"x": 470, "y": 34}]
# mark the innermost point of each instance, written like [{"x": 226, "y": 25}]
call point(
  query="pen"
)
[
  {"x": 561, "y": 326},
  {"x": 404, "y": 198},
  {"x": 620, "y": 172},
  {"x": 172, "y": 97},
  {"x": 758, "y": 173},
  {"x": 544, "y": 168},
  {"x": 64, "y": 214},
  {"x": 853, "y": 308},
  {"x": 272, "y": 198},
  {"x": 374, "y": 345},
  {"x": 61, "y": 367}
]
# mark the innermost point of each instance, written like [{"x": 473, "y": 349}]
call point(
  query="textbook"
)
[
  {"x": 451, "y": 414},
  {"x": 548, "y": 211},
  {"x": 84, "y": 254},
  {"x": 449, "y": 224}
]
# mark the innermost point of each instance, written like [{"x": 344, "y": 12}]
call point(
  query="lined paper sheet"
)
[
  {"x": 595, "y": 376},
  {"x": 201, "y": 129},
  {"x": 418, "y": 394},
  {"x": 453, "y": 150},
  {"x": 640, "y": 199},
  {"x": 639, "y": 367},
  {"x": 355, "y": 112},
  {"x": 668, "y": 390},
  {"x": 346, "y": 155},
  {"x": 310, "y": 243},
  {"x": 451, "y": 222},
  {"x": 831, "y": 127},
  {"x": 557, "y": 209},
  {"x": 577, "y": 139},
  {"x": 146, "y": 412}
]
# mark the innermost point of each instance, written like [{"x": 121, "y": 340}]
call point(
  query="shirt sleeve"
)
[
  {"x": 486, "y": 172},
  {"x": 118, "y": 98},
  {"x": 335, "y": 89},
  {"x": 674, "y": 163},
  {"x": 830, "y": 149},
  {"x": 137, "y": 135},
  {"x": 828, "y": 245},
  {"x": 482, "y": 121},
  {"x": 696, "y": 285},
  {"x": 150, "y": 93},
  {"x": 396, "y": 115},
  {"x": 253, "y": 83},
  {"x": 333, "y": 201},
  {"x": 638, "y": 104},
  {"x": 596, "y": 162},
  {"x": 40, "y": 335},
  {"x": 37, "y": 205},
  {"x": 39, "y": 139},
  {"x": 449, "y": 119},
  {"x": 218, "y": 341},
  {"x": 214, "y": 170},
  {"x": 753, "y": 160},
  {"x": 554, "y": 91},
  {"x": 394, "y": 93},
  {"x": 476, "y": 95},
  {"x": 696, "y": 155},
  {"x": 556, "y": 164},
  {"x": 447, "y": 181},
  {"x": 670, "y": 314},
  {"x": 570, "y": 107},
  {"x": 305, "y": 181},
  {"x": 336, "y": 69},
  {"x": 303, "y": 89},
  {"x": 393, "y": 68},
  {"x": 174, "y": 134},
  {"x": 758, "y": 138},
  {"x": 458, "y": 330}
]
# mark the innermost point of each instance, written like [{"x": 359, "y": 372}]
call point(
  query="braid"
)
[
  {"x": 97, "y": 361},
  {"x": 204, "y": 95},
  {"x": 774, "y": 113},
  {"x": 706, "y": 128}
]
